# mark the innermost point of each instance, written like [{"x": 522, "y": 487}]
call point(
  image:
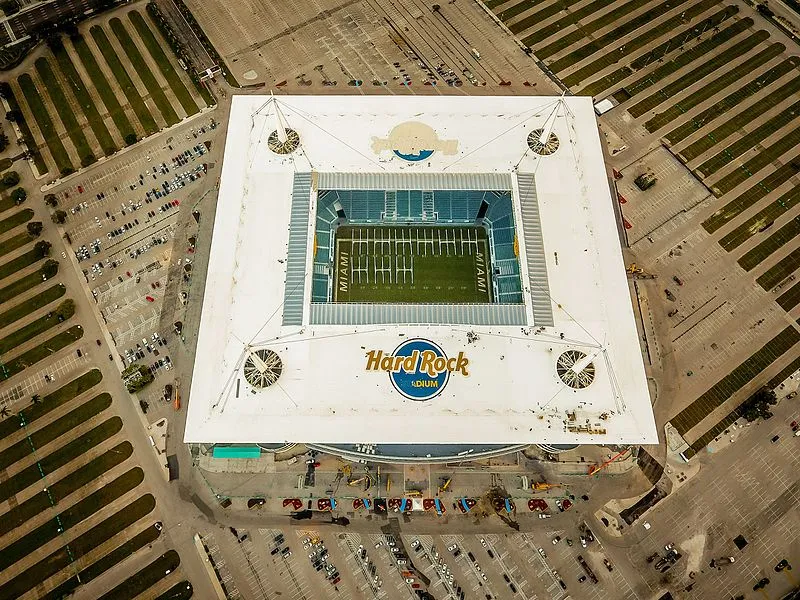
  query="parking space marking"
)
[{"x": 55, "y": 371}]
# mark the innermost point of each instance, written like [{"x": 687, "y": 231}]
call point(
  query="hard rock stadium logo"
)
[
  {"x": 413, "y": 142},
  {"x": 418, "y": 368}
]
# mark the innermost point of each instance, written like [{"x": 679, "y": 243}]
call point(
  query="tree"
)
[
  {"x": 42, "y": 248},
  {"x": 65, "y": 309},
  {"x": 14, "y": 116},
  {"x": 130, "y": 139},
  {"x": 10, "y": 178},
  {"x": 3, "y": 142},
  {"x": 757, "y": 405},
  {"x": 59, "y": 217},
  {"x": 19, "y": 196},
  {"x": 51, "y": 200},
  {"x": 35, "y": 228},
  {"x": 50, "y": 268}
]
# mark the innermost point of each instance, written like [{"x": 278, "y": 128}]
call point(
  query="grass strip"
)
[
  {"x": 70, "y": 517},
  {"x": 19, "y": 263},
  {"x": 42, "y": 351},
  {"x": 734, "y": 99},
  {"x": 150, "y": 575},
  {"x": 748, "y": 141},
  {"x": 682, "y": 59},
  {"x": 729, "y": 78},
  {"x": 789, "y": 299},
  {"x": 27, "y": 135},
  {"x": 733, "y": 124},
  {"x": 20, "y": 286},
  {"x": 154, "y": 47},
  {"x": 533, "y": 19},
  {"x": 59, "y": 457},
  {"x": 705, "y": 439},
  {"x": 628, "y": 26},
  {"x": 180, "y": 591},
  {"x": 761, "y": 220},
  {"x": 143, "y": 71},
  {"x": 51, "y": 401},
  {"x": 622, "y": 51},
  {"x": 45, "y": 123},
  {"x": 65, "y": 486},
  {"x": 754, "y": 194},
  {"x": 80, "y": 546},
  {"x": 780, "y": 238},
  {"x": 14, "y": 220},
  {"x": 38, "y": 301},
  {"x": 735, "y": 380},
  {"x": 100, "y": 83},
  {"x": 81, "y": 93},
  {"x": 573, "y": 18},
  {"x": 124, "y": 80},
  {"x": 780, "y": 270},
  {"x": 36, "y": 439},
  {"x": 15, "y": 242},
  {"x": 28, "y": 332},
  {"x": 110, "y": 560},
  {"x": 698, "y": 73},
  {"x": 655, "y": 54},
  {"x": 65, "y": 112},
  {"x": 759, "y": 161},
  {"x": 784, "y": 373}
]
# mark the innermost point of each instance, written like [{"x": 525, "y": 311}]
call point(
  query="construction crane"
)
[{"x": 595, "y": 468}]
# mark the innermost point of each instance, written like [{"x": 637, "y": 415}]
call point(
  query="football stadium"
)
[{"x": 418, "y": 278}]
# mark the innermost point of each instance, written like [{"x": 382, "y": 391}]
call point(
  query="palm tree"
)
[
  {"x": 4, "y": 412},
  {"x": 35, "y": 399}
]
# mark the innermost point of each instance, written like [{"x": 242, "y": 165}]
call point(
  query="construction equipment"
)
[
  {"x": 638, "y": 272},
  {"x": 595, "y": 468},
  {"x": 544, "y": 486}
]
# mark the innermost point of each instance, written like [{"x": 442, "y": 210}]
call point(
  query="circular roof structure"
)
[
  {"x": 575, "y": 369},
  {"x": 286, "y": 146},
  {"x": 542, "y": 148},
  {"x": 262, "y": 368}
]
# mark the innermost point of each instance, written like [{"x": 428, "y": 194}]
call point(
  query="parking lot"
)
[
  {"x": 369, "y": 46},
  {"x": 121, "y": 224}
]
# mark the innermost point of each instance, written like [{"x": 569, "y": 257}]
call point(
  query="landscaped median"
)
[
  {"x": 22, "y": 285},
  {"x": 51, "y": 401},
  {"x": 39, "y": 438},
  {"x": 62, "y": 312},
  {"x": 15, "y": 220},
  {"x": 23, "y": 309},
  {"x": 62, "y": 488},
  {"x": 83, "y": 544},
  {"x": 58, "y": 457},
  {"x": 99, "y": 567},
  {"x": 40, "y": 352},
  {"x": 70, "y": 517}
]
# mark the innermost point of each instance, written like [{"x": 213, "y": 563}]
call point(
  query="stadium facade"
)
[{"x": 419, "y": 277}]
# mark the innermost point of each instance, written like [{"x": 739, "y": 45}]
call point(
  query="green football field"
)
[{"x": 412, "y": 264}]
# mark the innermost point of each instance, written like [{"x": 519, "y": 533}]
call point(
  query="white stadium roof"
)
[{"x": 562, "y": 367}]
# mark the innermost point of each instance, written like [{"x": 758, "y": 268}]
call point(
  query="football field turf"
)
[{"x": 415, "y": 264}]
